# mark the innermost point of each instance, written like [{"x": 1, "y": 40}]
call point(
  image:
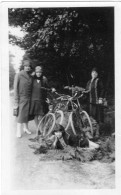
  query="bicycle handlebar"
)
[
  {"x": 74, "y": 88},
  {"x": 68, "y": 97},
  {"x": 64, "y": 97}
]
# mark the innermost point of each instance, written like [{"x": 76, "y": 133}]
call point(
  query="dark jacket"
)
[
  {"x": 22, "y": 94},
  {"x": 38, "y": 97},
  {"x": 96, "y": 90},
  {"x": 39, "y": 93}
]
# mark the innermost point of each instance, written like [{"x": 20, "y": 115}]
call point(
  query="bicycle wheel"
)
[
  {"x": 59, "y": 116},
  {"x": 47, "y": 124},
  {"x": 75, "y": 122},
  {"x": 86, "y": 122}
]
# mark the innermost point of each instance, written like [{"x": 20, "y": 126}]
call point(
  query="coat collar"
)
[
  {"x": 94, "y": 79},
  {"x": 24, "y": 74}
]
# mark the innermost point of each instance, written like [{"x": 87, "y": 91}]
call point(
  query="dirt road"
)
[{"x": 29, "y": 173}]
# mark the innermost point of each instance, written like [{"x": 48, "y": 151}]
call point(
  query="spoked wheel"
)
[
  {"x": 75, "y": 122},
  {"x": 86, "y": 122},
  {"x": 59, "y": 116},
  {"x": 46, "y": 125}
]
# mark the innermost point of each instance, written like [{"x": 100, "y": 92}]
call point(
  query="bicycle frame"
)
[
  {"x": 77, "y": 105},
  {"x": 74, "y": 107},
  {"x": 68, "y": 99}
]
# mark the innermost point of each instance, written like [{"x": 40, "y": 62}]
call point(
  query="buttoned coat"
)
[
  {"x": 96, "y": 92},
  {"x": 22, "y": 95}
]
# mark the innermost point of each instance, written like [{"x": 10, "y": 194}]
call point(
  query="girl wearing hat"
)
[
  {"x": 96, "y": 93},
  {"x": 39, "y": 107},
  {"x": 22, "y": 93}
]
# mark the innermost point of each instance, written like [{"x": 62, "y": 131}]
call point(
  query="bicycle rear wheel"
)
[
  {"x": 46, "y": 125},
  {"x": 86, "y": 122},
  {"x": 80, "y": 121},
  {"x": 75, "y": 122}
]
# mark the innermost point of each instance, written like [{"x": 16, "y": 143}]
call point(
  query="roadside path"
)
[{"x": 29, "y": 173}]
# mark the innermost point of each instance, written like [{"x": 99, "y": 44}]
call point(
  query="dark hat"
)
[
  {"x": 38, "y": 69},
  {"x": 95, "y": 69},
  {"x": 27, "y": 60}
]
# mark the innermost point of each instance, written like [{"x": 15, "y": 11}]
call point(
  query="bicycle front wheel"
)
[
  {"x": 46, "y": 125},
  {"x": 59, "y": 116}
]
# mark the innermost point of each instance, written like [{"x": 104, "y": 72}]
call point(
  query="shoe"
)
[
  {"x": 93, "y": 145},
  {"x": 18, "y": 134},
  {"x": 26, "y": 131}
]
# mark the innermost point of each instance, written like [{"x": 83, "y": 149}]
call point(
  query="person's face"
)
[
  {"x": 39, "y": 74},
  {"x": 58, "y": 134},
  {"x": 94, "y": 74},
  {"x": 27, "y": 67}
]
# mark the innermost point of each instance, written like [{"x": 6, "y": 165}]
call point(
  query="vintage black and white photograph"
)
[{"x": 62, "y": 97}]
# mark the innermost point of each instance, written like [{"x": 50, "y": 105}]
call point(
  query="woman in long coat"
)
[
  {"x": 96, "y": 94},
  {"x": 22, "y": 94}
]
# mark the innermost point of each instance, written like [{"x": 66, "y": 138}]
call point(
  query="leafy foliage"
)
[
  {"x": 11, "y": 72},
  {"x": 69, "y": 42}
]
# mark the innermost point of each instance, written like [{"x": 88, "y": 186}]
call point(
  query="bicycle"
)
[{"x": 78, "y": 118}]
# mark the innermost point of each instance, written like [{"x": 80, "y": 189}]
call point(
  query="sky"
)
[{"x": 15, "y": 50}]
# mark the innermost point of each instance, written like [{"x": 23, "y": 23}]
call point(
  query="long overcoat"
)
[
  {"x": 96, "y": 92},
  {"x": 22, "y": 95}
]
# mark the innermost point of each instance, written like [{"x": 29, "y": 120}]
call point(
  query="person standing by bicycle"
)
[
  {"x": 95, "y": 90},
  {"x": 38, "y": 106}
]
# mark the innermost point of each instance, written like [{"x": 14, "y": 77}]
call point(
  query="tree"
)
[
  {"x": 11, "y": 71},
  {"x": 69, "y": 42}
]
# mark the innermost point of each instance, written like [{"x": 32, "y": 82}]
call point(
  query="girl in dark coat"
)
[
  {"x": 22, "y": 94},
  {"x": 96, "y": 94},
  {"x": 39, "y": 107}
]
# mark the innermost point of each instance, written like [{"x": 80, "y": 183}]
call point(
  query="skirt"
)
[
  {"x": 23, "y": 111},
  {"x": 97, "y": 112},
  {"x": 38, "y": 108}
]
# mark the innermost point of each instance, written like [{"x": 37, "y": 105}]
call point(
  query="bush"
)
[{"x": 11, "y": 76}]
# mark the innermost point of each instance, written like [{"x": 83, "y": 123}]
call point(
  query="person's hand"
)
[
  {"x": 81, "y": 89},
  {"x": 66, "y": 87},
  {"x": 54, "y": 145},
  {"x": 33, "y": 74},
  {"x": 85, "y": 91},
  {"x": 53, "y": 89},
  {"x": 15, "y": 106},
  {"x": 100, "y": 101}
]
